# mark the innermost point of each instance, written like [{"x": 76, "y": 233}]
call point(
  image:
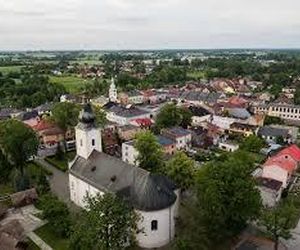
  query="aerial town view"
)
[{"x": 167, "y": 125}]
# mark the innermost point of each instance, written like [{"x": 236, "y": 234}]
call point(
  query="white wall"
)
[
  {"x": 197, "y": 120},
  {"x": 129, "y": 154},
  {"x": 79, "y": 190},
  {"x": 84, "y": 140},
  {"x": 165, "y": 231},
  {"x": 183, "y": 142},
  {"x": 276, "y": 173}
]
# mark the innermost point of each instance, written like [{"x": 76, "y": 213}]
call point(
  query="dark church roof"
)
[
  {"x": 87, "y": 115},
  {"x": 145, "y": 191}
]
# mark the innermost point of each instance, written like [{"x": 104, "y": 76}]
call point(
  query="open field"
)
[
  {"x": 6, "y": 69},
  {"x": 73, "y": 84},
  {"x": 196, "y": 74}
]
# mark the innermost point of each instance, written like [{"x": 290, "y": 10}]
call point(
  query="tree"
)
[
  {"x": 100, "y": 114},
  {"x": 107, "y": 224},
  {"x": 269, "y": 120},
  {"x": 227, "y": 197},
  {"x": 252, "y": 144},
  {"x": 278, "y": 222},
  {"x": 297, "y": 96},
  {"x": 181, "y": 169},
  {"x": 150, "y": 152},
  {"x": 57, "y": 214},
  {"x": 171, "y": 115},
  {"x": 5, "y": 168},
  {"x": 65, "y": 115},
  {"x": 18, "y": 143}
]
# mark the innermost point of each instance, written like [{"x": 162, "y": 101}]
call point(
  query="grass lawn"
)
[
  {"x": 32, "y": 245},
  {"x": 57, "y": 243},
  {"x": 196, "y": 74},
  {"x": 6, "y": 189},
  {"x": 61, "y": 164},
  {"x": 72, "y": 84},
  {"x": 6, "y": 69}
]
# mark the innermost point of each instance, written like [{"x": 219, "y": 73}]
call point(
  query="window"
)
[
  {"x": 93, "y": 142},
  {"x": 81, "y": 143},
  {"x": 154, "y": 225}
]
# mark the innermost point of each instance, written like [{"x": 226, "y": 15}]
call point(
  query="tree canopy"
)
[
  {"x": 253, "y": 144},
  {"x": 18, "y": 142},
  {"x": 171, "y": 115},
  {"x": 65, "y": 115},
  {"x": 150, "y": 152},
  {"x": 181, "y": 169},
  {"x": 227, "y": 196},
  {"x": 106, "y": 224}
]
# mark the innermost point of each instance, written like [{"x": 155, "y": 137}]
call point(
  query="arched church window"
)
[
  {"x": 154, "y": 225},
  {"x": 93, "y": 142}
]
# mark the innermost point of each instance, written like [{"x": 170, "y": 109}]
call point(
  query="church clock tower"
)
[
  {"x": 88, "y": 136},
  {"x": 113, "y": 95}
]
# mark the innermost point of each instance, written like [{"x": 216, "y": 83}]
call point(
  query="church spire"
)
[{"x": 113, "y": 95}]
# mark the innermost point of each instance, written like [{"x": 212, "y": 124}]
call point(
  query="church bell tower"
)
[{"x": 88, "y": 136}]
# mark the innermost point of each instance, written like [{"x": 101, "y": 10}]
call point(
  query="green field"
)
[
  {"x": 51, "y": 239},
  {"x": 6, "y": 69},
  {"x": 88, "y": 62},
  {"x": 196, "y": 74},
  {"x": 73, "y": 84}
]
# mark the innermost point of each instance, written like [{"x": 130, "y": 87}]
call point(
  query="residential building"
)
[
  {"x": 282, "y": 165},
  {"x": 228, "y": 146},
  {"x": 130, "y": 153},
  {"x": 182, "y": 137},
  {"x": 270, "y": 191},
  {"x": 283, "y": 111},
  {"x": 272, "y": 134},
  {"x": 31, "y": 118},
  {"x": 242, "y": 128},
  {"x": 128, "y": 132},
  {"x": 124, "y": 115}
]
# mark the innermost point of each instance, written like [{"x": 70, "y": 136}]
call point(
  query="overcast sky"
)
[{"x": 149, "y": 24}]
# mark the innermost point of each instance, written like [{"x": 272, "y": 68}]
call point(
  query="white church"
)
[{"x": 154, "y": 197}]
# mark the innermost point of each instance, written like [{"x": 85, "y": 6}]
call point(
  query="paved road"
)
[{"x": 59, "y": 181}]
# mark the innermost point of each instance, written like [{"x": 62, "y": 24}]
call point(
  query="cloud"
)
[{"x": 122, "y": 24}]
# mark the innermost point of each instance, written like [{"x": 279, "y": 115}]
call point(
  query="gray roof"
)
[
  {"x": 271, "y": 131},
  {"x": 239, "y": 113},
  {"x": 200, "y": 96},
  {"x": 145, "y": 191},
  {"x": 162, "y": 140},
  {"x": 127, "y": 112}
]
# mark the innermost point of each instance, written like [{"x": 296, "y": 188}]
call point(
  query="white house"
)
[
  {"x": 129, "y": 153},
  {"x": 182, "y": 137},
  {"x": 228, "y": 146},
  {"x": 124, "y": 115},
  {"x": 154, "y": 197}
]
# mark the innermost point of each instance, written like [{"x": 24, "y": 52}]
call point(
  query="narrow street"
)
[{"x": 59, "y": 181}]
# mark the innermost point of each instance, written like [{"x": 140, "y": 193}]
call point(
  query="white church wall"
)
[
  {"x": 80, "y": 189},
  {"x": 165, "y": 232}
]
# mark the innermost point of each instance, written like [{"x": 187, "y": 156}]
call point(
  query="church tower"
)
[
  {"x": 113, "y": 95},
  {"x": 88, "y": 136}
]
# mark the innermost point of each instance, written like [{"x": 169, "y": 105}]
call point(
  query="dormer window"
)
[{"x": 154, "y": 225}]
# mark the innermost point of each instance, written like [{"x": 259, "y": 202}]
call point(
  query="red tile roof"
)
[
  {"x": 287, "y": 164},
  {"x": 293, "y": 151},
  {"x": 143, "y": 122}
]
